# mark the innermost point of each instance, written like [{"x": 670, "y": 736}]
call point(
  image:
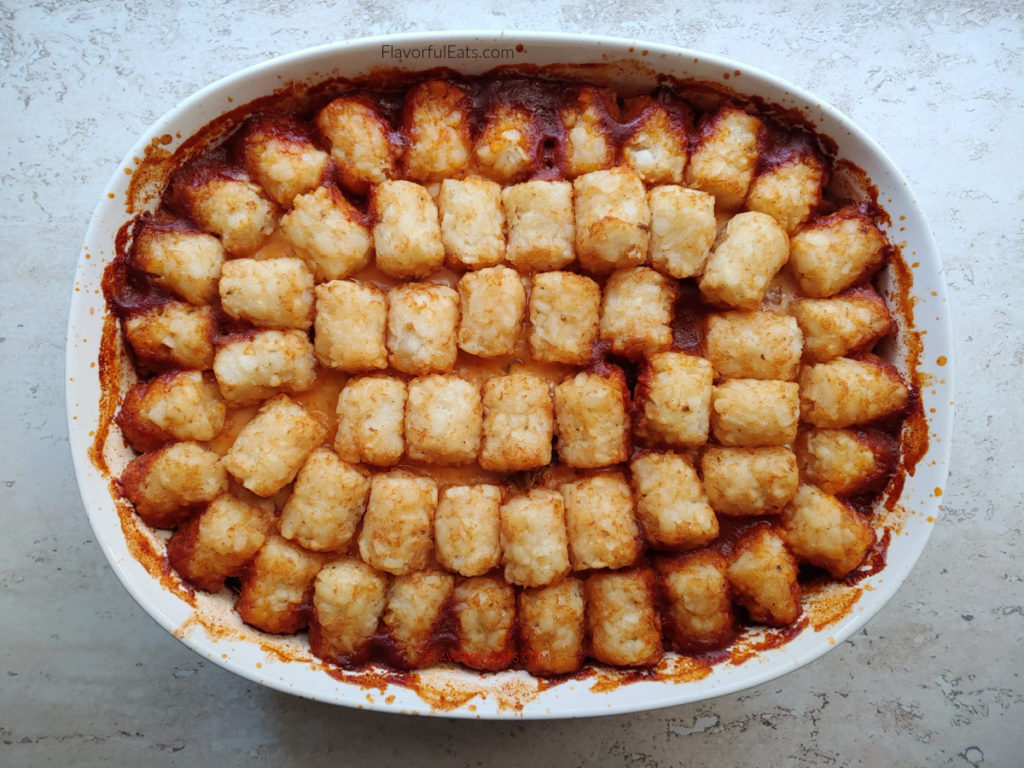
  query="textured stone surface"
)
[{"x": 934, "y": 679}]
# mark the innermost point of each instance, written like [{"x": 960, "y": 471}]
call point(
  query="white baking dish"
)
[{"x": 212, "y": 629}]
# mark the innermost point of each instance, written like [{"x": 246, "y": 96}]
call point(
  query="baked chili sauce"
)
[{"x": 214, "y": 151}]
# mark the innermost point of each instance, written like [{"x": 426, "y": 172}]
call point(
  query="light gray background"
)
[{"x": 87, "y": 678}]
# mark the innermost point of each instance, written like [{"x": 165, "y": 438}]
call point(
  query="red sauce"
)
[
  {"x": 785, "y": 145},
  {"x": 126, "y": 288},
  {"x": 688, "y": 321},
  {"x": 109, "y": 370},
  {"x": 771, "y": 638},
  {"x": 874, "y": 560},
  {"x": 542, "y": 100}
]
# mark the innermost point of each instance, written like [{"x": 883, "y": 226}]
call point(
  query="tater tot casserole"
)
[{"x": 517, "y": 370}]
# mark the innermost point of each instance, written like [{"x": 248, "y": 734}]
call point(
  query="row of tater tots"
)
[
  {"x": 419, "y": 327},
  {"x": 735, "y": 159},
  {"x": 604, "y": 220},
  {"x": 568, "y": 558},
  {"x": 508, "y": 423}
]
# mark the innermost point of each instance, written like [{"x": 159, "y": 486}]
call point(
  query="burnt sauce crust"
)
[{"x": 672, "y": 385}]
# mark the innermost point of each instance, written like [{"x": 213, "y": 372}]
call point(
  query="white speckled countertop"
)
[{"x": 934, "y": 679}]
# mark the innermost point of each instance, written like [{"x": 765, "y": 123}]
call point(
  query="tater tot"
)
[
  {"x": 754, "y": 345},
  {"x": 541, "y": 225},
  {"x": 754, "y": 412},
  {"x": 656, "y": 147},
  {"x": 443, "y": 418},
  {"x": 846, "y": 323},
  {"x": 674, "y": 397},
  {"x": 327, "y": 232},
  {"x": 415, "y": 608},
  {"x": 397, "y": 534},
  {"x": 844, "y": 392},
  {"x": 422, "y": 330},
  {"x": 519, "y": 421},
  {"x": 349, "y": 330},
  {"x": 599, "y": 520},
  {"x": 231, "y": 206},
  {"x": 358, "y": 135},
  {"x": 844, "y": 461},
  {"x": 436, "y": 122},
  {"x": 683, "y": 229},
  {"x": 749, "y": 481},
  {"x": 270, "y": 449},
  {"x": 485, "y": 615},
  {"x": 250, "y": 369},
  {"x": 348, "y": 600},
  {"x": 534, "y": 544},
  {"x": 218, "y": 542},
  {"x": 623, "y": 624},
  {"x": 789, "y": 191},
  {"x": 279, "y": 155},
  {"x": 472, "y": 222},
  {"x": 671, "y": 506},
  {"x": 407, "y": 235},
  {"x": 636, "y": 312},
  {"x": 724, "y": 160},
  {"x": 613, "y": 221},
  {"x": 467, "y": 529},
  {"x": 763, "y": 575},
  {"x": 177, "y": 405},
  {"x": 698, "y": 610},
  {"x": 592, "y": 421},
  {"x": 371, "y": 420},
  {"x": 277, "y": 587},
  {"x": 588, "y": 145},
  {"x": 326, "y": 504},
  {"x": 551, "y": 628},
  {"x": 825, "y": 532},
  {"x": 503, "y": 148},
  {"x": 744, "y": 260},
  {"x": 165, "y": 485},
  {"x": 173, "y": 333},
  {"x": 564, "y": 317},
  {"x": 492, "y": 302},
  {"x": 830, "y": 254},
  {"x": 270, "y": 293},
  {"x": 182, "y": 260}
]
